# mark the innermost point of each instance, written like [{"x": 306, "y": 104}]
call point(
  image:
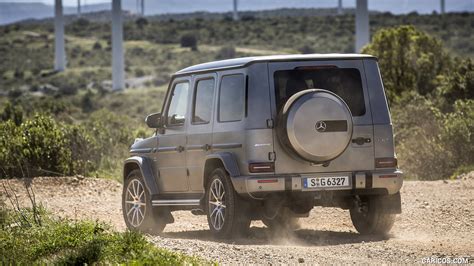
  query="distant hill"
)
[{"x": 12, "y": 12}]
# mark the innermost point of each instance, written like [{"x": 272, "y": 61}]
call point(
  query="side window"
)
[
  {"x": 202, "y": 103},
  {"x": 232, "y": 98},
  {"x": 177, "y": 107}
]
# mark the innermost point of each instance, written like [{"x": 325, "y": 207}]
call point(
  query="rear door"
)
[
  {"x": 199, "y": 132},
  {"x": 346, "y": 78}
]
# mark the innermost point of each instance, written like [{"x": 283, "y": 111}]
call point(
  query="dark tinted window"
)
[
  {"x": 177, "y": 108},
  {"x": 231, "y": 98},
  {"x": 203, "y": 101},
  {"x": 345, "y": 82}
]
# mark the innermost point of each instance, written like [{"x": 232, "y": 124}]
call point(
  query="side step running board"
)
[{"x": 176, "y": 202}]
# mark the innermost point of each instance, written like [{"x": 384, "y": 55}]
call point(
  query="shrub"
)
[
  {"x": 67, "y": 242},
  {"x": 226, "y": 52},
  {"x": 40, "y": 146},
  {"x": 97, "y": 46},
  {"x": 430, "y": 144},
  {"x": 189, "y": 40},
  {"x": 409, "y": 60},
  {"x": 306, "y": 49}
]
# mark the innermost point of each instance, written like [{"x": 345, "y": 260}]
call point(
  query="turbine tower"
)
[
  {"x": 235, "y": 13},
  {"x": 339, "y": 7},
  {"x": 361, "y": 24},
  {"x": 443, "y": 7},
  {"x": 117, "y": 47},
  {"x": 142, "y": 7},
  {"x": 79, "y": 8},
  {"x": 59, "y": 49}
]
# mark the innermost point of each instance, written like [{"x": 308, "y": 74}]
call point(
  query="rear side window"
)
[
  {"x": 345, "y": 82},
  {"x": 177, "y": 108},
  {"x": 202, "y": 109},
  {"x": 232, "y": 98}
]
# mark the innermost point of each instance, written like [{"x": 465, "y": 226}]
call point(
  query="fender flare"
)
[
  {"x": 228, "y": 160},
  {"x": 145, "y": 166}
]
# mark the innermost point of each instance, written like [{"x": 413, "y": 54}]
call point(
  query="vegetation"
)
[
  {"x": 37, "y": 237},
  {"x": 432, "y": 100},
  {"x": 89, "y": 128}
]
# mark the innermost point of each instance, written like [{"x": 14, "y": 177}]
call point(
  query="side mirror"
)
[{"x": 153, "y": 120}]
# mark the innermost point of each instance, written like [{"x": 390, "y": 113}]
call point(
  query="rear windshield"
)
[{"x": 345, "y": 82}]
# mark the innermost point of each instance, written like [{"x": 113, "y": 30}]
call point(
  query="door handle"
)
[
  {"x": 361, "y": 140},
  {"x": 180, "y": 148}
]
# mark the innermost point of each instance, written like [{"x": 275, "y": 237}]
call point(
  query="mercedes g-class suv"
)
[{"x": 267, "y": 138}]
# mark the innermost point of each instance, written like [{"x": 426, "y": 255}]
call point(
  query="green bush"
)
[
  {"x": 66, "y": 242},
  {"x": 430, "y": 144},
  {"x": 42, "y": 146},
  {"x": 409, "y": 60},
  {"x": 189, "y": 40}
]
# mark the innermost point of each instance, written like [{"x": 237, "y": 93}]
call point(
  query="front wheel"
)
[
  {"x": 226, "y": 211},
  {"x": 138, "y": 212},
  {"x": 369, "y": 217}
]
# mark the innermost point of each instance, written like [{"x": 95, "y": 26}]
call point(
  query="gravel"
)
[{"x": 437, "y": 221}]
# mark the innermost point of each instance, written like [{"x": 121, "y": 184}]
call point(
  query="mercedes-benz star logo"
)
[{"x": 321, "y": 126}]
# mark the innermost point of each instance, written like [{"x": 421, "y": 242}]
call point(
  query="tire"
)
[
  {"x": 138, "y": 213},
  {"x": 372, "y": 220},
  {"x": 226, "y": 211}
]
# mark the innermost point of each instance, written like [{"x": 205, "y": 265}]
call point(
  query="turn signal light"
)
[
  {"x": 261, "y": 167},
  {"x": 388, "y": 162}
]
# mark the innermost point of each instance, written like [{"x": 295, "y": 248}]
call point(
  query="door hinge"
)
[{"x": 270, "y": 123}]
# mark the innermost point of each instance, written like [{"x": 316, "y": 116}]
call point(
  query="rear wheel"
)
[
  {"x": 369, "y": 217},
  {"x": 138, "y": 213},
  {"x": 226, "y": 211}
]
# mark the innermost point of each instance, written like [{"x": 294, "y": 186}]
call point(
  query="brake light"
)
[
  {"x": 388, "y": 162},
  {"x": 315, "y": 67},
  {"x": 261, "y": 167}
]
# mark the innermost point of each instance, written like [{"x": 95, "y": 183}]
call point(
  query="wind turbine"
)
[
  {"x": 361, "y": 24},
  {"x": 118, "y": 74},
  {"x": 339, "y": 7},
  {"x": 235, "y": 13},
  {"x": 59, "y": 49}
]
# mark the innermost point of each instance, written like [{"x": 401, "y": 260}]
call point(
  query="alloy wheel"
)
[
  {"x": 135, "y": 204},
  {"x": 217, "y": 204}
]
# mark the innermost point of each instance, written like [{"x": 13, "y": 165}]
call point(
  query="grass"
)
[{"x": 62, "y": 241}]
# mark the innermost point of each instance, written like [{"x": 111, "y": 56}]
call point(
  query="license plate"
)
[{"x": 326, "y": 182}]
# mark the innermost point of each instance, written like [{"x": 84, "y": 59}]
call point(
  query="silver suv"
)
[{"x": 267, "y": 138}]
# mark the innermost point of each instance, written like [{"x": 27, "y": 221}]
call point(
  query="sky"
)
[{"x": 402, "y": 6}]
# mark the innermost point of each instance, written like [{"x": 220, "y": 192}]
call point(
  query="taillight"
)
[
  {"x": 388, "y": 162},
  {"x": 261, "y": 167}
]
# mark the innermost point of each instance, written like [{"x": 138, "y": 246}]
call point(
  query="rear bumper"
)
[{"x": 385, "y": 182}]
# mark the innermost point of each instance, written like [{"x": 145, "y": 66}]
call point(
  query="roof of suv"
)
[{"x": 243, "y": 61}]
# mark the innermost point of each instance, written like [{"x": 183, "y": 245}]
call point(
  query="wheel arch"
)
[
  {"x": 220, "y": 159},
  {"x": 145, "y": 166}
]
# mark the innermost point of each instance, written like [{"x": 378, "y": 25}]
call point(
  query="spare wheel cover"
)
[{"x": 318, "y": 125}]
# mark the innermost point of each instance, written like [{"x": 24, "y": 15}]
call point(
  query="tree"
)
[{"x": 409, "y": 60}]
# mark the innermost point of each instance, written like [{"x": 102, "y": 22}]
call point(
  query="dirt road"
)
[{"x": 437, "y": 220}]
